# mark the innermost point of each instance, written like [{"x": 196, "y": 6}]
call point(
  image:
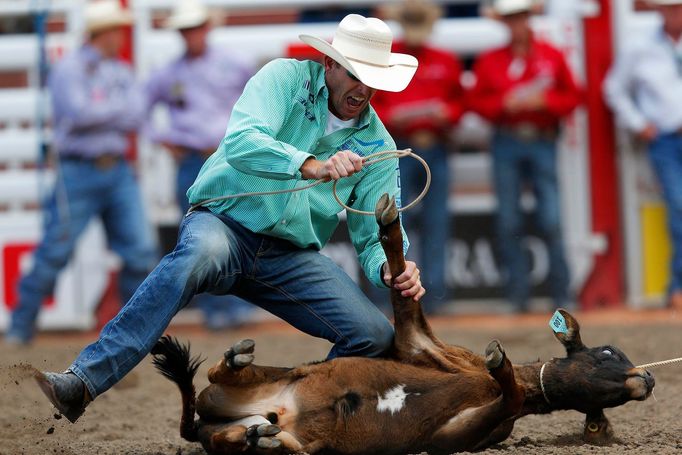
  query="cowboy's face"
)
[
  {"x": 348, "y": 97},
  {"x": 195, "y": 39},
  {"x": 109, "y": 41},
  {"x": 518, "y": 25}
]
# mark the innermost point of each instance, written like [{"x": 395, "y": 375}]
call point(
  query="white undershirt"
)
[{"x": 335, "y": 124}]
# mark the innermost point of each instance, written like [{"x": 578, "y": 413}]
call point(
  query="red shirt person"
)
[
  {"x": 525, "y": 88},
  {"x": 421, "y": 117},
  {"x": 514, "y": 90}
]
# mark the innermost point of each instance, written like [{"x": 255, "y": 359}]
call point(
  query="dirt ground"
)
[{"x": 141, "y": 415}]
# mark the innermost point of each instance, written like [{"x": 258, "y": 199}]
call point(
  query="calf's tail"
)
[{"x": 173, "y": 360}]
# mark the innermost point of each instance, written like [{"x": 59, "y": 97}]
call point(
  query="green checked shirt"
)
[{"x": 277, "y": 123}]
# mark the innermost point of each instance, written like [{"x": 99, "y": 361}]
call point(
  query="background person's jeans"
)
[
  {"x": 219, "y": 311},
  {"x": 430, "y": 220},
  {"x": 665, "y": 153},
  {"x": 517, "y": 163},
  {"x": 111, "y": 194},
  {"x": 215, "y": 254}
]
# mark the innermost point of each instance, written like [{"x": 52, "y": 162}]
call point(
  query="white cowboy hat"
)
[
  {"x": 104, "y": 14},
  {"x": 187, "y": 14},
  {"x": 509, "y": 7},
  {"x": 362, "y": 45}
]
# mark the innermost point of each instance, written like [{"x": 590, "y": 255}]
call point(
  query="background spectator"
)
[
  {"x": 199, "y": 88},
  {"x": 524, "y": 89},
  {"x": 644, "y": 89},
  {"x": 95, "y": 106}
]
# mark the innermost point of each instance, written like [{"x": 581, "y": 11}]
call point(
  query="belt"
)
[
  {"x": 103, "y": 162},
  {"x": 529, "y": 132}
]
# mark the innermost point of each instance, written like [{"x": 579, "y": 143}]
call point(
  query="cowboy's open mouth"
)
[{"x": 356, "y": 101}]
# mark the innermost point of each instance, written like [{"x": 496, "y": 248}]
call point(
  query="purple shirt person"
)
[
  {"x": 96, "y": 104},
  {"x": 199, "y": 89},
  {"x": 200, "y": 92}
]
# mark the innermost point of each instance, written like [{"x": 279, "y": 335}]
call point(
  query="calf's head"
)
[{"x": 591, "y": 379}]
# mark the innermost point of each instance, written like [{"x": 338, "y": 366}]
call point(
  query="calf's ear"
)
[{"x": 567, "y": 331}]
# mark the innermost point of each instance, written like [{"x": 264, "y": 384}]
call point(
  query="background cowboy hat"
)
[
  {"x": 501, "y": 8},
  {"x": 416, "y": 18},
  {"x": 187, "y": 14},
  {"x": 104, "y": 14}
]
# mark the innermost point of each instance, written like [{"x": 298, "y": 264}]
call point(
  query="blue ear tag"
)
[{"x": 558, "y": 323}]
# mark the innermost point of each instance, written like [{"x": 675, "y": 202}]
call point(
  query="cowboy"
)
[
  {"x": 199, "y": 88},
  {"x": 525, "y": 89},
  {"x": 95, "y": 105},
  {"x": 296, "y": 121},
  {"x": 644, "y": 89},
  {"x": 421, "y": 117}
]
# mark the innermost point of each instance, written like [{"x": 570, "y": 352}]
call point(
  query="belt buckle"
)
[
  {"x": 105, "y": 162},
  {"x": 527, "y": 132}
]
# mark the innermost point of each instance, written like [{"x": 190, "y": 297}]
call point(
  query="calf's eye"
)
[{"x": 607, "y": 352}]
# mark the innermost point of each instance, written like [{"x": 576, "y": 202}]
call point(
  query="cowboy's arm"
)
[
  {"x": 249, "y": 144},
  {"x": 566, "y": 95},
  {"x": 618, "y": 92},
  {"x": 156, "y": 92},
  {"x": 71, "y": 97},
  {"x": 485, "y": 98}
]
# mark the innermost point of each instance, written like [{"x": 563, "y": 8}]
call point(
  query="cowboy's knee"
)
[
  {"x": 374, "y": 338},
  {"x": 209, "y": 251}
]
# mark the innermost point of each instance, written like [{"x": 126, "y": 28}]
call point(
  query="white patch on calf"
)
[
  {"x": 393, "y": 400},
  {"x": 250, "y": 421}
]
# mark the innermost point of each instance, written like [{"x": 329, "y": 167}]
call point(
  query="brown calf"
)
[{"x": 428, "y": 396}]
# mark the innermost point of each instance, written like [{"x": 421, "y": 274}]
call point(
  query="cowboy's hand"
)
[
  {"x": 342, "y": 164},
  {"x": 536, "y": 101},
  {"x": 408, "y": 283},
  {"x": 512, "y": 103},
  {"x": 648, "y": 133},
  {"x": 175, "y": 151}
]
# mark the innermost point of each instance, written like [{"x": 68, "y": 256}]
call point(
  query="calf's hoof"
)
[
  {"x": 598, "y": 430},
  {"x": 240, "y": 355},
  {"x": 263, "y": 436},
  {"x": 386, "y": 211},
  {"x": 494, "y": 355}
]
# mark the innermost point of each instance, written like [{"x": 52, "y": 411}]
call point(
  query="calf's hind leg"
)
[
  {"x": 469, "y": 428},
  {"x": 236, "y": 367}
]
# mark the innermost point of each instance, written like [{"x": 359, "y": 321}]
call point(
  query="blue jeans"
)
[
  {"x": 219, "y": 311},
  {"x": 665, "y": 153},
  {"x": 517, "y": 163},
  {"x": 215, "y": 254},
  {"x": 111, "y": 194},
  {"x": 432, "y": 219}
]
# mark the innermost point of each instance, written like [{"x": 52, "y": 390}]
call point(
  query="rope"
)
[
  {"x": 542, "y": 384},
  {"x": 367, "y": 161},
  {"x": 661, "y": 363}
]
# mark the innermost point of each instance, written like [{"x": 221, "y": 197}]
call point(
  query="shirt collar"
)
[
  {"x": 91, "y": 54},
  {"x": 531, "y": 50}
]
